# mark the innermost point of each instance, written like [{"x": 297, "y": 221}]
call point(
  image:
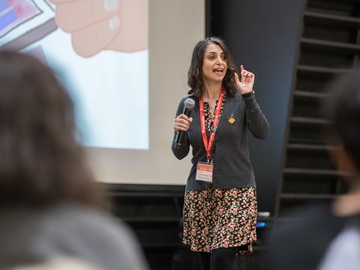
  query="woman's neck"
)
[{"x": 212, "y": 91}]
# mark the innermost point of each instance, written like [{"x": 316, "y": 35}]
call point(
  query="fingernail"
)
[
  {"x": 111, "y": 5},
  {"x": 114, "y": 22}
]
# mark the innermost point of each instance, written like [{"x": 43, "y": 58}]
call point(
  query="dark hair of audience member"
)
[
  {"x": 40, "y": 160},
  {"x": 343, "y": 110},
  {"x": 195, "y": 73}
]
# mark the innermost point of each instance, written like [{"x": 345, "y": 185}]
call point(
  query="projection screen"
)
[
  {"x": 124, "y": 62},
  {"x": 175, "y": 26}
]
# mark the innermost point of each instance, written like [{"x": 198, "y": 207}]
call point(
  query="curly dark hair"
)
[
  {"x": 195, "y": 74},
  {"x": 40, "y": 159}
]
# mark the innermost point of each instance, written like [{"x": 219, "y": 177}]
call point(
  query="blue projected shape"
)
[
  {"x": 14, "y": 15},
  {"x": 4, "y": 4},
  {"x": 8, "y": 18}
]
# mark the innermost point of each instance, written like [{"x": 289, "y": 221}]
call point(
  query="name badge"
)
[{"x": 204, "y": 172}]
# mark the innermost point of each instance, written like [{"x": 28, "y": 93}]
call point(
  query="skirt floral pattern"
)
[{"x": 217, "y": 218}]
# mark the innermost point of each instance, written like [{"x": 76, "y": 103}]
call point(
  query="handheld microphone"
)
[{"x": 189, "y": 105}]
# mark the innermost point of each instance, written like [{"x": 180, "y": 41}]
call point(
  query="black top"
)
[{"x": 232, "y": 167}]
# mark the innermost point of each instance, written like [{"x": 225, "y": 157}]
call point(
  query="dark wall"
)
[{"x": 262, "y": 35}]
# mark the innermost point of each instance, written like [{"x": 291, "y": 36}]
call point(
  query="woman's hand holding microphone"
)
[{"x": 182, "y": 122}]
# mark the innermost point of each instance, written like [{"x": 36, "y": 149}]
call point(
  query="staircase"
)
[{"x": 329, "y": 46}]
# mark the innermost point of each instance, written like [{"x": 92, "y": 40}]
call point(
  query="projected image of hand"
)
[{"x": 96, "y": 25}]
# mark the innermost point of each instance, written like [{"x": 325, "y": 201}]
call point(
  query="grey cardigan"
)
[
  {"x": 232, "y": 167},
  {"x": 34, "y": 235}
]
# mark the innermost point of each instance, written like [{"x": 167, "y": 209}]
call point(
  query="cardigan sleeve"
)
[
  {"x": 255, "y": 119},
  {"x": 185, "y": 147}
]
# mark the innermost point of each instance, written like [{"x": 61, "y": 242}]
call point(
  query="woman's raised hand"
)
[
  {"x": 247, "y": 81},
  {"x": 182, "y": 122}
]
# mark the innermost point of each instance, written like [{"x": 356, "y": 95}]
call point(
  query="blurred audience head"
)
[
  {"x": 40, "y": 160},
  {"x": 343, "y": 110}
]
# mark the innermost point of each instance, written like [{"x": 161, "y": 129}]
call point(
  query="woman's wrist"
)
[{"x": 248, "y": 95}]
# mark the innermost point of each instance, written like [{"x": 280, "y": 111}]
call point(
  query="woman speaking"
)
[{"x": 220, "y": 208}]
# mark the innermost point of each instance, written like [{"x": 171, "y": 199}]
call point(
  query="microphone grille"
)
[{"x": 189, "y": 103}]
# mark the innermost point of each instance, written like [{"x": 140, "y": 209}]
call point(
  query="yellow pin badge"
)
[{"x": 231, "y": 120}]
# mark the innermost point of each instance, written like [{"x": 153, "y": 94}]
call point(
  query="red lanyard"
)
[{"x": 208, "y": 145}]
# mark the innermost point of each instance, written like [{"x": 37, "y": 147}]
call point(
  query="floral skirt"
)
[{"x": 220, "y": 218}]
